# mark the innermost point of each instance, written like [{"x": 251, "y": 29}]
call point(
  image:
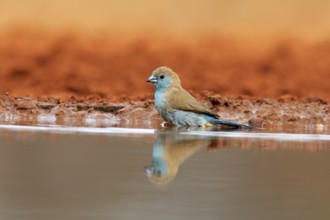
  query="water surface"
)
[{"x": 157, "y": 174}]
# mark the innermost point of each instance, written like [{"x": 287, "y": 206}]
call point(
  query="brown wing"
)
[{"x": 178, "y": 98}]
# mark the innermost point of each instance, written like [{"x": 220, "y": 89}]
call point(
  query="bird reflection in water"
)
[{"x": 170, "y": 151}]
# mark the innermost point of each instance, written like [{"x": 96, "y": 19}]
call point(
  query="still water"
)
[{"x": 160, "y": 174}]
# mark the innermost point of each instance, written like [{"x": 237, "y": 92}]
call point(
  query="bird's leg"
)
[{"x": 165, "y": 124}]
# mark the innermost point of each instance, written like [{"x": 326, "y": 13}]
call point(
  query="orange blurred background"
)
[
  {"x": 253, "y": 17},
  {"x": 257, "y": 48}
]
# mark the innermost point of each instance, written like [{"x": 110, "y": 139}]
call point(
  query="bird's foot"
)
[{"x": 166, "y": 124}]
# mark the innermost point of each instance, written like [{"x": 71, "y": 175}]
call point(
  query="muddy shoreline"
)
[{"x": 286, "y": 110}]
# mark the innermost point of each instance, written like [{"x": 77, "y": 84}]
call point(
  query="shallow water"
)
[{"x": 114, "y": 173}]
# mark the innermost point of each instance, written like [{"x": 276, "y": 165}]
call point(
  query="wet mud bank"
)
[{"x": 286, "y": 110}]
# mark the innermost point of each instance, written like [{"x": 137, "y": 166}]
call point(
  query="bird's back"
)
[{"x": 179, "y": 99}]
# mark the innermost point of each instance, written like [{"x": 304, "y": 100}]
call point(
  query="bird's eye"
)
[{"x": 161, "y": 76}]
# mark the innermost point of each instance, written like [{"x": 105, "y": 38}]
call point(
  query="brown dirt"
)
[
  {"x": 273, "y": 114},
  {"x": 79, "y": 74}
]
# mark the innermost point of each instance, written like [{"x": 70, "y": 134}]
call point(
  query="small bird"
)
[{"x": 177, "y": 106}]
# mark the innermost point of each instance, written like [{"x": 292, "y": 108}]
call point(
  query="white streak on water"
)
[
  {"x": 141, "y": 131},
  {"x": 109, "y": 130},
  {"x": 278, "y": 136}
]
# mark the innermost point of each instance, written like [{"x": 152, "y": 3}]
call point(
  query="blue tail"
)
[{"x": 231, "y": 124}]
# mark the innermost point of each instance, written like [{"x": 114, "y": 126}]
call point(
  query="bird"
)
[{"x": 177, "y": 106}]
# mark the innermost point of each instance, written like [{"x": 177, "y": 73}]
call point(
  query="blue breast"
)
[{"x": 161, "y": 104}]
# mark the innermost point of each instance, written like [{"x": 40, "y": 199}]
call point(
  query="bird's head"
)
[{"x": 163, "y": 77}]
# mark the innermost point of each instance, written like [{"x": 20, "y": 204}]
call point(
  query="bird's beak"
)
[
  {"x": 152, "y": 79},
  {"x": 149, "y": 170}
]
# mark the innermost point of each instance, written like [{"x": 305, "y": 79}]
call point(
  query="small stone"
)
[{"x": 25, "y": 104}]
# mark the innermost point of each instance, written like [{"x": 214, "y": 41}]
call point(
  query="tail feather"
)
[{"x": 232, "y": 124}]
